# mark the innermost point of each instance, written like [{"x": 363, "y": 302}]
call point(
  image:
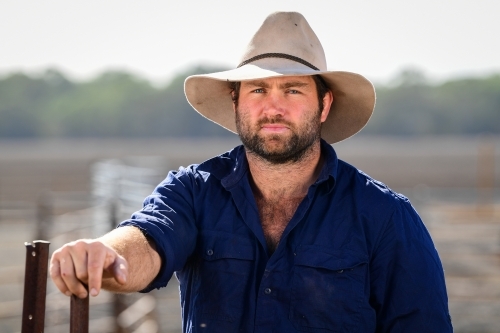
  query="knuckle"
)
[
  {"x": 59, "y": 253},
  {"x": 96, "y": 246},
  {"x": 79, "y": 245},
  {"x": 54, "y": 271},
  {"x": 82, "y": 275},
  {"x": 66, "y": 273},
  {"x": 94, "y": 265}
]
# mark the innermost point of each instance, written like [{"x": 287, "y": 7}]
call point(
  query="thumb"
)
[{"x": 119, "y": 270}]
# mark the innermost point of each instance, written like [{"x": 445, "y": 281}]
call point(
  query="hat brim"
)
[{"x": 352, "y": 107}]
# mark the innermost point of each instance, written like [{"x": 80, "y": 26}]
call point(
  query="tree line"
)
[{"x": 119, "y": 104}]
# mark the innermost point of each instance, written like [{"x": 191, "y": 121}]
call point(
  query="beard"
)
[{"x": 279, "y": 148}]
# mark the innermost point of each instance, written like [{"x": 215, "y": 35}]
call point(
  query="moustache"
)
[{"x": 274, "y": 120}]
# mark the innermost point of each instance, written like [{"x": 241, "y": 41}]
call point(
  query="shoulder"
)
[
  {"x": 390, "y": 214},
  {"x": 385, "y": 213},
  {"x": 369, "y": 190},
  {"x": 214, "y": 168}
]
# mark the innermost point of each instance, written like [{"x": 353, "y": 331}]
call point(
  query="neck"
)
[{"x": 284, "y": 181}]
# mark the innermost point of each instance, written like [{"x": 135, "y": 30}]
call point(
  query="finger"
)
[
  {"x": 69, "y": 278},
  {"x": 55, "y": 274},
  {"x": 95, "y": 267},
  {"x": 79, "y": 254},
  {"x": 67, "y": 268}
]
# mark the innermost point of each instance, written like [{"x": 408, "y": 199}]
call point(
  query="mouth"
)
[{"x": 274, "y": 128}]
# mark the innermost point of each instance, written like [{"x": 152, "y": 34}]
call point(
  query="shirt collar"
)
[
  {"x": 240, "y": 168},
  {"x": 328, "y": 173}
]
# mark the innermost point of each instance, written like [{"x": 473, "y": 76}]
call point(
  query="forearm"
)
[{"x": 143, "y": 261}]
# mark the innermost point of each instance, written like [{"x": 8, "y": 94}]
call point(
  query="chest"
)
[{"x": 274, "y": 217}]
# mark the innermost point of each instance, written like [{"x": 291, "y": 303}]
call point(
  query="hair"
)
[
  {"x": 235, "y": 91},
  {"x": 321, "y": 89}
]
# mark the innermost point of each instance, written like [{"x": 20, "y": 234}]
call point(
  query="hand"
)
[{"x": 86, "y": 261}]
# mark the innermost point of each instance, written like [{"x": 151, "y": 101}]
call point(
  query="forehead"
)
[{"x": 281, "y": 80}]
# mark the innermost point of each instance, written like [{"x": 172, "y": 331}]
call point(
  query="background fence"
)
[{"x": 62, "y": 191}]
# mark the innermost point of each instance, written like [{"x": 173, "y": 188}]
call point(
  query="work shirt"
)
[{"x": 355, "y": 257}]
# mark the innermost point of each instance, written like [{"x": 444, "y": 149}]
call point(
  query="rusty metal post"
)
[
  {"x": 79, "y": 314},
  {"x": 35, "y": 286}
]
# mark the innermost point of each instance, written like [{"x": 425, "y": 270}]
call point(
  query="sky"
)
[{"x": 156, "y": 39}]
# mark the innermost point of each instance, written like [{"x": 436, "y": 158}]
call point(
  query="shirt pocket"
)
[
  {"x": 327, "y": 290},
  {"x": 225, "y": 272}
]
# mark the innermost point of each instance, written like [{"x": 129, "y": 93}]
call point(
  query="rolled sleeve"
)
[{"x": 167, "y": 217}]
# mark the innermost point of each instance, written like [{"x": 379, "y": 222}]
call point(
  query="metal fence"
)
[{"x": 60, "y": 217}]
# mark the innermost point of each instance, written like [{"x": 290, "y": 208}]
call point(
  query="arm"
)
[
  {"x": 123, "y": 260},
  {"x": 408, "y": 288}
]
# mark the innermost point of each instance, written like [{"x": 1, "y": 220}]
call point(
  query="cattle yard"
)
[{"x": 63, "y": 190}]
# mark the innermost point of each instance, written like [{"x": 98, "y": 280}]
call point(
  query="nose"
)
[{"x": 274, "y": 104}]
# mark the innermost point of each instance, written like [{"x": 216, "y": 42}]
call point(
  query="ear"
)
[{"x": 327, "y": 103}]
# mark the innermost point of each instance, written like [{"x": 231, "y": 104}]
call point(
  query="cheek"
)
[
  {"x": 248, "y": 104},
  {"x": 247, "y": 111},
  {"x": 242, "y": 118}
]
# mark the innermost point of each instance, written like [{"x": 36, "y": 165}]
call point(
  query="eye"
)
[
  {"x": 293, "y": 91},
  {"x": 260, "y": 90}
]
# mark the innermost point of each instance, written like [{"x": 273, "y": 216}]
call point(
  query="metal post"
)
[
  {"x": 79, "y": 316},
  {"x": 35, "y": 286}
]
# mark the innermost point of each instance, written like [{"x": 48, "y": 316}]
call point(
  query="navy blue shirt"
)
[{"x": 355, "y": 257}]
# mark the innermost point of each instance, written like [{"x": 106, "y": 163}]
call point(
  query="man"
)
[{"x": 277, "y": 235}]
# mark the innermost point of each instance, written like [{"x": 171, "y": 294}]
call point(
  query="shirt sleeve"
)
[
  {"x": 408, "y": 289},
  {"x": 167, "y": 217}
]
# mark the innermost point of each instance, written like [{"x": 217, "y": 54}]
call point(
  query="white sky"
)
[{"x": 157, "y": 38}]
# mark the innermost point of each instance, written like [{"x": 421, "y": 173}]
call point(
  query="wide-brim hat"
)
[{"x": 285, "y": 45}]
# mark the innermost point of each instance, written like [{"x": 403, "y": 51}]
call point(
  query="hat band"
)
[{"x": 278, "y": 55}]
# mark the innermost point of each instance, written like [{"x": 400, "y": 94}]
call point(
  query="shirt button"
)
[
  {"x": 210, "y": 252},
  {"x": 267, "y": 291}
]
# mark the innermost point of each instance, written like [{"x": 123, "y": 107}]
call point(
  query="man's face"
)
[{"x": 278, "y": 118}]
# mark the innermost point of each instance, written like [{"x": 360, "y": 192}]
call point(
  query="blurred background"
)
[{"x": 93, "y": 115}]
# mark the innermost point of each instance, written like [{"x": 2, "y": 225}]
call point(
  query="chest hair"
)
[{"x": 274, "y": 217}]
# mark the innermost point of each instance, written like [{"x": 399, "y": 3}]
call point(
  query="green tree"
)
[{"x": 118, "y": 104}]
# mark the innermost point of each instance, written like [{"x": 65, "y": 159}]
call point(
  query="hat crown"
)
[{"x": 287, "y": 33}]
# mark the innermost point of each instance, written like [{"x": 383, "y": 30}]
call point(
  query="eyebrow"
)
[
  {"x": 263, "y": 84},
  {"x": 295, "y": 84},
  {"x": 260, "y": 84}
]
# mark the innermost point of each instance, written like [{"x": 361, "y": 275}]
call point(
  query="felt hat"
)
[{"x": 285, "y": 45}]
